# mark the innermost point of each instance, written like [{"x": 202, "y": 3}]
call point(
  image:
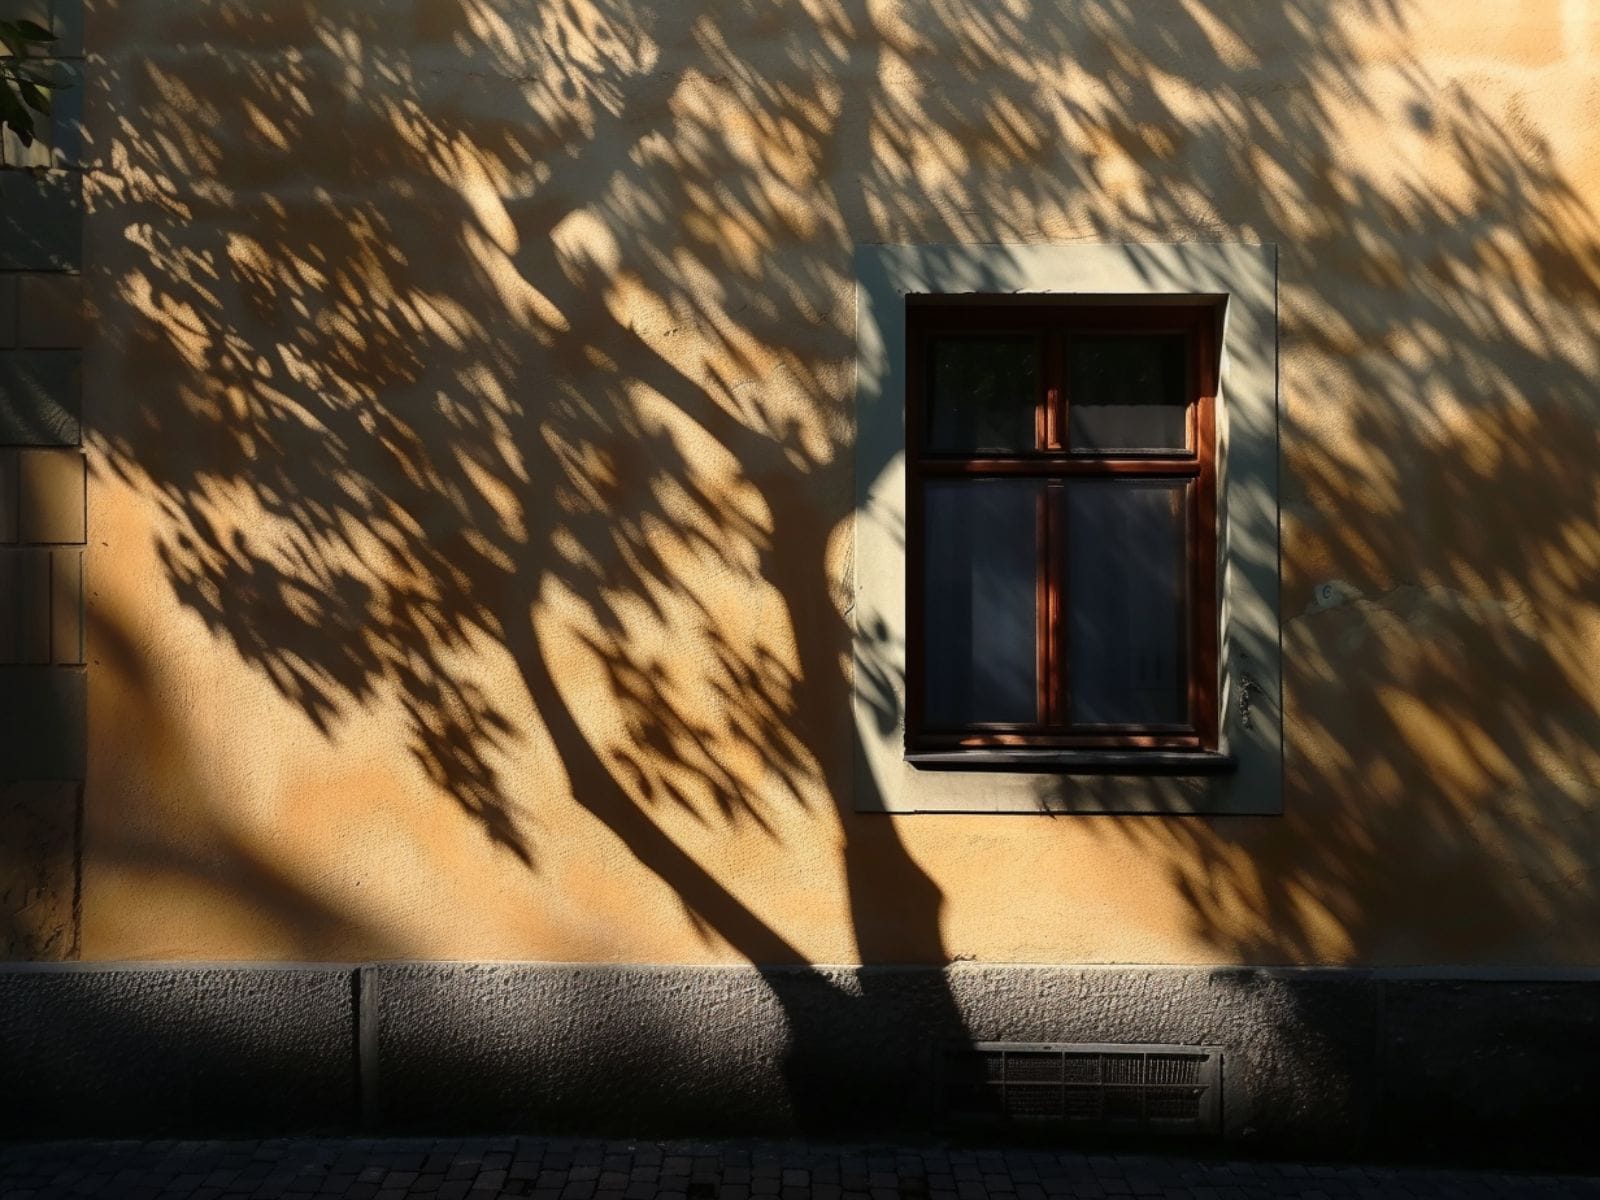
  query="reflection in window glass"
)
[
  {"x": 982, "y": 392},
  {"x": 1127, "y": 392},
  {"x": 981, "y": 601},
  {"x": 1126, "y": 554}
]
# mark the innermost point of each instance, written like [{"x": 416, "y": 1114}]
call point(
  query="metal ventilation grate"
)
[{"x": 1104, "y": 1088}]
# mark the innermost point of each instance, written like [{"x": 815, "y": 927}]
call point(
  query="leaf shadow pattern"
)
[{"x": 467, "y": 331}]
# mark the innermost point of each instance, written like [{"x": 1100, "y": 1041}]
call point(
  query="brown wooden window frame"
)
[{"x": 1053, "y": 458}]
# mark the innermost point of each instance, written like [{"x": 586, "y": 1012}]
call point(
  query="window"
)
[
  {"x": 1007, "y": 664},
  {"x": 1061, "y": 540}
]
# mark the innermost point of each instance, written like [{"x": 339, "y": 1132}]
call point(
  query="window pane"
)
[
  {"x": 982, "y": 392},
  {"x": 1127, "y": 392},
  {"x": 981, "y": 601},
  {"x": 1128, "y": 662}
]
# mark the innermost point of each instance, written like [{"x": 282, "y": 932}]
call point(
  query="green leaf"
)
[
  {"x": 34, "y": 73},
  {"x": 34, "y": 32},
  {"x": 34, "y": 97},
  {"x": 17, "y": 118},
  {"x": 51, "y": 76}
]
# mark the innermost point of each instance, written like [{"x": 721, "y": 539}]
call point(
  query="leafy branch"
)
[{"x": 25, "y": 83}]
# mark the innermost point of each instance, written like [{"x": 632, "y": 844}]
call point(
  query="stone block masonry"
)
[
  {"x": 43, "y": 717},
  {"x": 43, "y": 523},
  {"x": 43, "y": 705},
  {"x": 38, "y": 857},
  {"x": 43, "y": 530}
]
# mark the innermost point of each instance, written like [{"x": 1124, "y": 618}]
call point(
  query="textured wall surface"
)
[
  {"x": 838, "y": 1050},
  {"x": 91, "y": 1051},
  {"x": 1401, "y": 1065},
  {"x": 468, "y": 424}
]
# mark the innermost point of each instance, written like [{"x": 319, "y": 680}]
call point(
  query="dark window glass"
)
[
  {"x": 1127, "y": 392},
  {"x": 981, "y": 578},
  {"x": 1062, "y": 593},
  {"x": 1127, "y": 563},
  {"x": 982, "y": 393}
]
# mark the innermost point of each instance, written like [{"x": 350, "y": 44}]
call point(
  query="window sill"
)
[{"x": 1076, "y": 762}]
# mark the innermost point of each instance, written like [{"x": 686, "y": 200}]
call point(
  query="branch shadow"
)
[{"x": 465, "y": 341}]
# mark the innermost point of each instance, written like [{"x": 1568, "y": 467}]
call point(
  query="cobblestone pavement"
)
[{"x": 565, "y": 1169}]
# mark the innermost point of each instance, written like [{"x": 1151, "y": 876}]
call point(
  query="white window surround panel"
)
[{"x": 1244, "y": 277}]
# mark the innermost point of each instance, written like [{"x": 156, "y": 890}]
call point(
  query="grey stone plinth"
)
[
  {"x": 1490, "y": 1070},
  {"x": 142, "y": 1050},
  {"x": 1334, "y": 1063}
]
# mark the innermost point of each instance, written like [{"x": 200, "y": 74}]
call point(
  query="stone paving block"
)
[{"x": 316, "y": 1168}]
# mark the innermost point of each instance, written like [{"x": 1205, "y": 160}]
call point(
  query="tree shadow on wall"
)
[{"x": 487, "y": 366}]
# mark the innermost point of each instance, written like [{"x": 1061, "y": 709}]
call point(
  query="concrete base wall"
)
[
  {"x": 108, "y": 1051},
  {"x": 1395, "y": 1065}
]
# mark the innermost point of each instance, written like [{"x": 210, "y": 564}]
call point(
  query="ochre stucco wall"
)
[{"x": 468, "y": 415}]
